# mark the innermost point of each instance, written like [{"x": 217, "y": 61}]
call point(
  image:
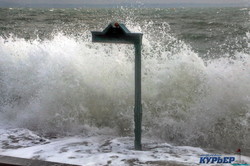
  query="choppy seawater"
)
[{"x": 195, "y": 74}]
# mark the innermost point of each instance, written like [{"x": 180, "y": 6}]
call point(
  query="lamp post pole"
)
[
  {"x": 138, "y": 106},
  {"x": 118, "y": 33}
]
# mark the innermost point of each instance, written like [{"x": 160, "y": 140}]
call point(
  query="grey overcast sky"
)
[{"x": 48, "y": 3}]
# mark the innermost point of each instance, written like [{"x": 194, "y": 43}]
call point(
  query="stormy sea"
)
[{"x": 66, "y": 99}]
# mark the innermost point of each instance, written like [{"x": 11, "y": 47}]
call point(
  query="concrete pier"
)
[{"x": 15, "y": 161}]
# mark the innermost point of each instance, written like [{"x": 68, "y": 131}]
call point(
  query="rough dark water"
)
[
  {"x": 207, "y": 30},
  {"x": 196, "y": 65}
]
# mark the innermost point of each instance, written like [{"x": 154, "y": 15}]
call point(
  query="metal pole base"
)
[{"x": 138, "y": 119}]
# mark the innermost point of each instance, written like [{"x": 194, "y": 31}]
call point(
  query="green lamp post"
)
[{"x": 118, "y": 33}]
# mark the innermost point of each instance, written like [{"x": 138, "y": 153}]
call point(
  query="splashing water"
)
[{"x": 65, "y": 84}]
